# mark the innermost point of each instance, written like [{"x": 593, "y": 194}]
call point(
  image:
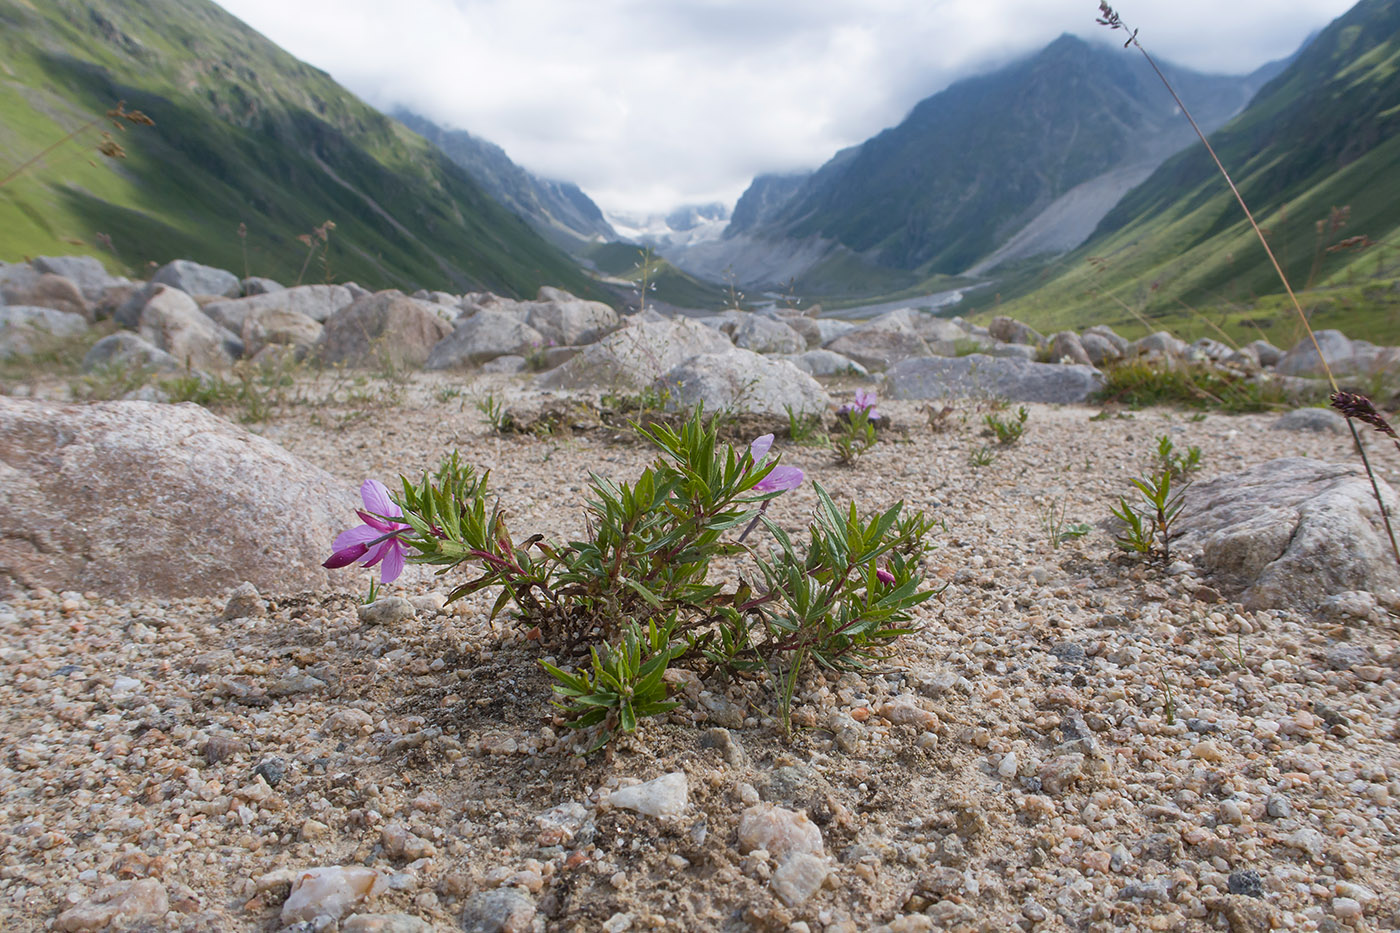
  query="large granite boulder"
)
[
  {"x": 1107, "y": 333},
  {"x": 125, "y": 350},
  {"x": 568, "y": 321},
  {"x": 1344, "y": 356},
  {"x": 742, "y": 381},
  {"x": 635, "y": 356},
  {"x": 764, "y": 335},
  {"x": 26, "y": 330},
  {"x": 826, "y": 363},
  {"x": 86, "y": 272},
  {"x": 1066, "y": 345},
  {"x": 1160, "y": 345},
  {"x": 1010, "y": 330},
  {"x": 1291, "y": 533},
  {"x": 386, "y": 328},
  {"x": 195, "y": 279},
  {"x": 317, "y": 302},
  {"x": 172, "y": 321},
  {"x": 979, "y": 376},
  {"x": 266, "y": 327},
  {"x": 883, "y": 342},
  {"x": 45, "y": 290},
  {"x": 1100, "y": 349},
  {"x": 485, "y": 336},
  {"x": 143, "y": 499}
]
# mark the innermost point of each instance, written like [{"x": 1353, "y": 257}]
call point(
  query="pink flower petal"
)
[
  {"x": 360, "y": 534},
  {"x": 884, "y": 576},
  {"x": 759, "y": 448},
  {"x": 375, "y": 496},
  {"x": 393, "y": 562},
  {"x": 344, "y": 557},
  {"x": 781, "y": 479}
]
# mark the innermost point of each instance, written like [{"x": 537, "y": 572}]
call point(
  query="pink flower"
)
[
  {"x": 377, "y": 540},
  {"x": 865, "y": 401},
  {"x": 884, "y": 576},
  {"x": 782, "y": 478}
]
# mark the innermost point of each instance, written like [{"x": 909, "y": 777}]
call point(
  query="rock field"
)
[{"x": 1071, "y": 741}]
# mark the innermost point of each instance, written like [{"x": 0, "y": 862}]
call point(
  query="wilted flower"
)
[{"x": 377, "y": 540}]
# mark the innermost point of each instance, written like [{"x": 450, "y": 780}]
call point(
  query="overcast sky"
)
[{"x": 650, "y": 105}]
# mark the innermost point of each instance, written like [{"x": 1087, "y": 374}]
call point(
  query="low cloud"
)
[{"x": 651, "y": 105}]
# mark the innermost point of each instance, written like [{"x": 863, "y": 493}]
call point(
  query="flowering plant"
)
[
  {"x": 857, "y": 432},
  {"x": 636, "y": 593}
]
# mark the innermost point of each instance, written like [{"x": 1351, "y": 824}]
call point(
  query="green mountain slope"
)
[
  {"x": 1323, "y": 135},
  {"x": 244, "y": 133},
  {"x": 558, "y": 210},
  {"x": 974, "y": 163}
]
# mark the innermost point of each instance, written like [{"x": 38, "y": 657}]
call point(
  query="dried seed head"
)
[{"x": 1359, "y": 407}]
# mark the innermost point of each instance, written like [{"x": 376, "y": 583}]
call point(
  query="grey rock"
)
[
  {"x": 386, "y": 611},
  {"x": 636, "y": 356},
  {"x": 1303, "y": 360},
  {"x": 1160, "y": 345},
  {"x": 1290, "y": 532},
  {"x": 1321, "y": 420},
  {"x": 808, "y": 328},
  {"x": 980, "y": 376},
  {"x": 192, "y": 278},
  {"x": 317, "y": 302},
  {"x": 273, "y": 770},
  {"x": 128, "y": 311},
  {"x": 86, "y": 272},
  {"x": 882, "y": 342},
  {"x": 721, "y": 739},
  {"x": 1247, "y": 882},
  {"x": 257, "y": 285},
  {"x": 1100, "y": 349},
  {"x": 826, "y": 363},
  {"x": 24, "y": 329},
  {"x": 508, "y": 364},
  {"x": 1015, "y": 351},
  {"x": 386, "y": 328},
  {"x": 742, "y": 381},
  {"x": 831, "y": 328},
  {"x": 1009, "y": 330},
  {"x": 1107, "y": 333},
  {"x": 275, "y": 327},
  {"x": 1267, "y": 353},
  {"x": 1158, "y": 889},
  {"x": 127, "y": 351},
  {"x": 764, "y": 335},
  {"x": 485, "y": 336},
  {"x": 563, "y": 319},
  {"x": 1066, "y": 345},
  {"x": 245, "y": 603},
  {"x": 503, "y": 910},
  {"x": 135, "y": 498},
  {"x": 1278, "y": 808},
  {"x": 172, "y": 321},
  {"x": 46, "y": 290},
  {"x": 1208, "y": 349}
]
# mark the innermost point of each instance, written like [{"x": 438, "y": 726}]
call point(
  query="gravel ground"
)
[{"x": 1070, "y": 742}]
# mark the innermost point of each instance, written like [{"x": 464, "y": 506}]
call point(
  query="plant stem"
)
[{"x": 1356, "y": 438}]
